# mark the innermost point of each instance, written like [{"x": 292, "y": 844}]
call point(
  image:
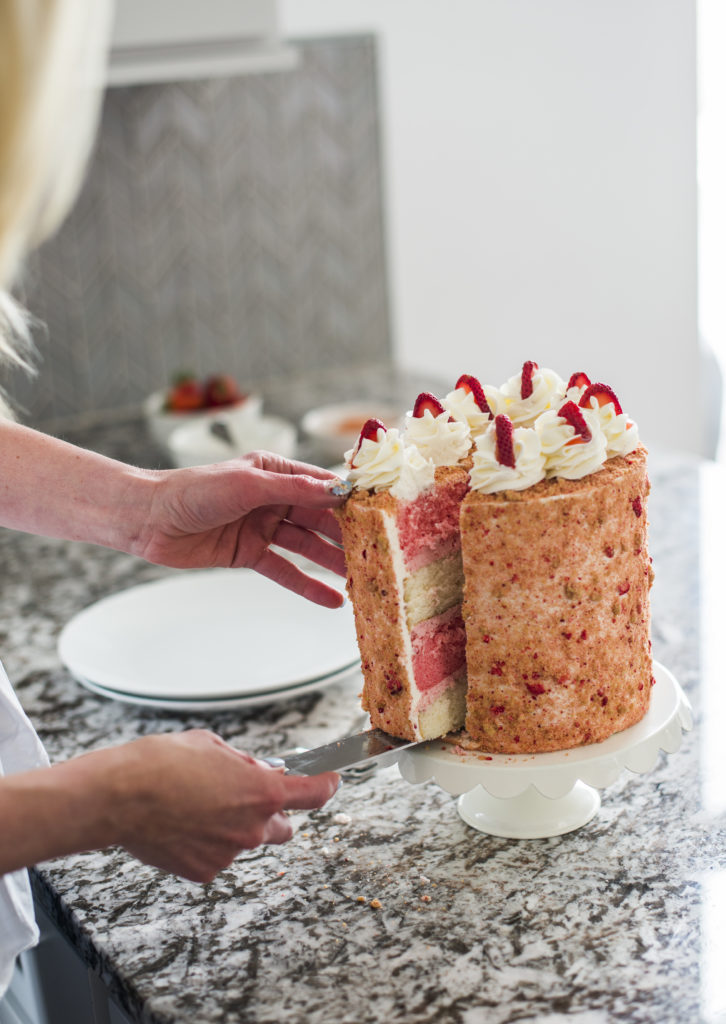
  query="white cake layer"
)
[{"x": 433, "y": 589}]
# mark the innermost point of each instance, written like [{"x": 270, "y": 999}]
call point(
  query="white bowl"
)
[
  {"x": 195, "y": 445},
  {"x": 161, "y": 423},
  {"x": 336, "y": 428}
]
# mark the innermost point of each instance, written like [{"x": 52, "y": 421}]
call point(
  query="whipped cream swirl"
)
[
  {"x": 574, "y": 394},
  {"x": 388, "y": 464},
  {"x": 620, "y": 432},
  {"x": 488, "y": 476},
  {"x": 566, "y": 454},
  {"x": 462, "y": 405},
  {"x": 440, "y": 438},
  {"x": 548, "y": 390}
]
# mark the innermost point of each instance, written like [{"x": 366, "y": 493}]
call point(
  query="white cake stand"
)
[{"x": 533, "y": 796}]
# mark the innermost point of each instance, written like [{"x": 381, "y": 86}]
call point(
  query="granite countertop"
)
[{"x": 619, "y": 920}]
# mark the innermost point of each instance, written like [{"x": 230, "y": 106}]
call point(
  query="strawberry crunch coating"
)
[{"x": 556, "y": 610}]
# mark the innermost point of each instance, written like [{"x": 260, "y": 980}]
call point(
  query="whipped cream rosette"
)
[
  {"x": 572, "y": 441},
  {"x": 527, "y": 395},
  {"x": 506, "y": 458},
  {"x": 576, "y": 387},
  {"x": 435, "y": 433},
  {"x": 381, "y": 461},
  {"x": 472, "y": 403},
  {"x": 621, "y": 432}
]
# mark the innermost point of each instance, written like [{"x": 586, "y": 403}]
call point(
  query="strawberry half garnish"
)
[
  {"x": 427, "y": 401},
  {"x": 571, "y": 413},
  {"x": 468, "y": 383},
  {"x": 369, "y": 432},
  {"x": 578, "y": 380},
  {"x": 604, "y": 394},
  {"x": 505, "y": 440},
  {"x": 527, "y": 373}
]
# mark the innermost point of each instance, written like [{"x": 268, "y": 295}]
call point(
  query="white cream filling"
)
[{"x": 399, "y": 573}]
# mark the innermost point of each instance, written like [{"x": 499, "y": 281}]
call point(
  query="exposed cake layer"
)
[
  {"x": 407, "y": 672},
  {"x": 434, "y": 589},
  {"x": 443, "y": 708},
  {"x": 556, "y": 606},
  {"x": 439, "y": 648},
  {"x": 428, "y": 528}
]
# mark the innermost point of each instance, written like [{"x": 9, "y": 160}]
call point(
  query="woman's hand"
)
[
  {"x": 231, "y": 513},
  {"x": 184, "y": 802},
  {"x": 189, "y": 802},
  {"x": 228, "y": 514}
]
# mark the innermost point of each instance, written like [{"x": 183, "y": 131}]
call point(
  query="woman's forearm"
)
[
  {"x": 50, "y": 812},
  {"x": 53, "y": 488}
]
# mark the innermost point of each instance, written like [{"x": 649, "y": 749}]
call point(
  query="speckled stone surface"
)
[{"x": 612, "y": 922}]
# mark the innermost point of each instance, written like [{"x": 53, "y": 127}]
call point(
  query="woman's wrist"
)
[
  {"x": 67, "y": 808},
  {"x": 53, "y": 488}
]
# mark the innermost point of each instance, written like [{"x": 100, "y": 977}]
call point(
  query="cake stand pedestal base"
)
[
  {"x": 533, "y": 796},
  {"x": 529, "y": 815}
]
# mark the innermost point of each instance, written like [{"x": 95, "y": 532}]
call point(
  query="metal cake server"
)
[{"x": 373, "y": 747}]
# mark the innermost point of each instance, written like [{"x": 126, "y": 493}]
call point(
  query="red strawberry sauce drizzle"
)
[
  {"x": 574, "y": 417},
  {"x": 505, "y": 441},
  {"x": 527, "y": 373},
  {"x": 468, "y": 383}
]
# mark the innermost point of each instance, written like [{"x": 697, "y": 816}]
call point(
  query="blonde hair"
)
[{"x": 52, "y": 60}]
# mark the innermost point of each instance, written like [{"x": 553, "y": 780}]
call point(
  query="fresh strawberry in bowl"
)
[
  {"x": 222, "y": 389},
  {"x": 186, "y": 394},
  {"x": 190, "y": 397}
]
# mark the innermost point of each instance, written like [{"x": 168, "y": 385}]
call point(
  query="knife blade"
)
[{"x": 373, "y": 746}]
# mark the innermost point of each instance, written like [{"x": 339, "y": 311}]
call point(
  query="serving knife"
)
[{"x": 373, "y": 748}]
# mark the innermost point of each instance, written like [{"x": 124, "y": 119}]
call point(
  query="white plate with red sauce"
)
[
  {"x": 207, "y": 636},
  {"x": 334, "y": 429}
]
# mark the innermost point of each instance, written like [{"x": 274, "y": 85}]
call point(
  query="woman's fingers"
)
[
  {"x": 305, "y": 792},
  {"x": 311, "y": 545},
  {"x": 289, "y": 467},
  {"x": 288, "y": 575},
  {"x": 303, "y": 488},
  {"x": 320, "y": 520},
  {"x": 277, "y": 830}
]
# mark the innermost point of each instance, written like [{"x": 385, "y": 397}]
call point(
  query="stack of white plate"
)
[{"x": 208, "y": 641}]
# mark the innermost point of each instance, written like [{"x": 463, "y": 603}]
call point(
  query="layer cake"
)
[{"x": 498, "y": 566}]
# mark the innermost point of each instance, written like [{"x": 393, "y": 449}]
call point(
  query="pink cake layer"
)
[
  {"x": 428, "y": 527},
  {"x": 438, "y": 691},
  {"x": 439, "y": 648}
]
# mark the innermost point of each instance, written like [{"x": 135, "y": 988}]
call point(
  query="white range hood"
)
[{"x": 169, "y": 40}]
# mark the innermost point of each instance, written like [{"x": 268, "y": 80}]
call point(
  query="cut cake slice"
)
[{"x": 405, "y": 584}]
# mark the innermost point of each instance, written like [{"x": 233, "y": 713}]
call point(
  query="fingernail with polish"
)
[
  {"x": 340, "y": 488},
  {"x": 274, "y": 762}
]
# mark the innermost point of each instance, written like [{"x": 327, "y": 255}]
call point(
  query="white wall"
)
[{"x": 540, "y": 187}]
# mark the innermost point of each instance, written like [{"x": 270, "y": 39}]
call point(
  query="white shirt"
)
[{"x": 20, "y": 751}]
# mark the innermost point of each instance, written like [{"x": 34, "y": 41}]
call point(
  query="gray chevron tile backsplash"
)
[{"x": 230, "y": 224}]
